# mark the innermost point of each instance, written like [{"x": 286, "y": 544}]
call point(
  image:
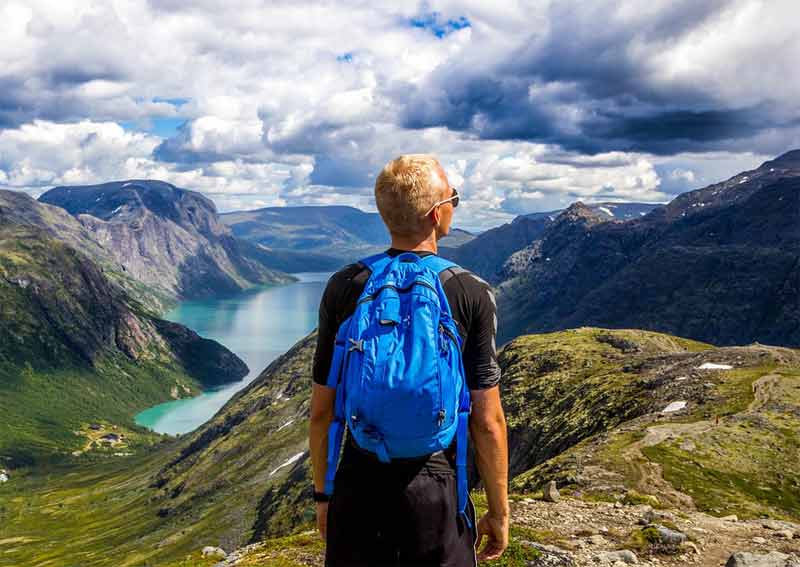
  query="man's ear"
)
[{"x": 436, "y": 216}]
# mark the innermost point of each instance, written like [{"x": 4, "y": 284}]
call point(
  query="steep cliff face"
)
[
  {"x": 166, "y": 237},
  {"x": 20, "y": 209},
  {"x": 720, "y": 264}
]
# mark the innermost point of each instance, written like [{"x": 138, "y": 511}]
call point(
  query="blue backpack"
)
[{"x": 397, "y": 368}]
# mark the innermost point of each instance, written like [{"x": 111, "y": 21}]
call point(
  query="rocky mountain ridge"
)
[
  {"x": 719, "y": 264},
  {"x": 166, "y": 237},
  {"x": 491, "y": 254}
]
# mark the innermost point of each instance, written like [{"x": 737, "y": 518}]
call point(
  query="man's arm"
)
[
  {"x": 487, "y": 422},
  {"x": 322, "y": 399},
  {"x": 487, "y": 425}
]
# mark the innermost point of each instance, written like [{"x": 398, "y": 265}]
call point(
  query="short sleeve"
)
[
  {"x": 480, "y": 350},
  {"x": 326, "y": 334}
]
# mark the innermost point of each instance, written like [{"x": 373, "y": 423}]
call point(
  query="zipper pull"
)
[{"x": 442, "y": 414}]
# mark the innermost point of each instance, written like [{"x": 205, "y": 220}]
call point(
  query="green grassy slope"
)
[{"x": 583, "y": 406}]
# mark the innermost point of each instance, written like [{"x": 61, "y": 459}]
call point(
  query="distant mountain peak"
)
[
  {"x": 789, "y": 159},
  {"x": 581, "y": 211}
]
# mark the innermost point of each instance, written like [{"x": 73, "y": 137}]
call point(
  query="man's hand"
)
[
  {"x": 322, "y": 520},
  {"x": 496, "y": 530}
]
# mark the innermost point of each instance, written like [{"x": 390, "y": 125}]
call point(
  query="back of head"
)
[{"x": 405, "y": 189}]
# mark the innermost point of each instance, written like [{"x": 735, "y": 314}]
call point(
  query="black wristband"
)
[{"x": 321, "y": 497}]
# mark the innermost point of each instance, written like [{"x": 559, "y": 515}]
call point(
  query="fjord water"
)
[{"x": 258, "y": 325}]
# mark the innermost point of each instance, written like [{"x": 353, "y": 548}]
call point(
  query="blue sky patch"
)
[
  {"x": 437, "y": 25},
  {"x": 162, "y": 127},
  {"x": 345, "y": 57},
  {"x": 176, "y": 102}
]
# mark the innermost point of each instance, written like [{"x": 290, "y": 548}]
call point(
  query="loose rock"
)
[
  {"x": 211, "y": 551},
  {"x": 771, "y": 559},
  {"x": 551, "y": 493},
  {"x": 670, "y": 537},
  {"x": 624, "y": 555}
]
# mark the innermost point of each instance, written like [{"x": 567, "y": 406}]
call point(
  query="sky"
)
[{"x": 529, "y": 106}]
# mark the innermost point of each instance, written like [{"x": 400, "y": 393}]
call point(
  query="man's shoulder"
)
[
  {"x": 461, "y": 278},
  {"x": 350, "y": 275}
]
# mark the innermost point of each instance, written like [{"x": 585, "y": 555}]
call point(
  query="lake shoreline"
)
[{"x": 257, "y": 324}]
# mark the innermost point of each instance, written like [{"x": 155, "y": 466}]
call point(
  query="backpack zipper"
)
[{"x": 442, "y": 411}]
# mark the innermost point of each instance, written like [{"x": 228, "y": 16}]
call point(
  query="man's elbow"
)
[
  {"x": 321, "y": 415},
  {"x": 488, "y": 424},
  {"x": 322, "y": 405}
]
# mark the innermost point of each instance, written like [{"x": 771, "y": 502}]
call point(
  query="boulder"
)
[
  {"x": 551, "y": 493},
  {"x": 211, "y": 551},
  {"x": 670, "y": 537},
  {"x": 771, "y": 559},
  {"x": 623, "y": 555}
]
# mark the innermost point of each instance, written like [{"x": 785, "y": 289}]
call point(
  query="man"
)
[{"x": 404, "y": 512}]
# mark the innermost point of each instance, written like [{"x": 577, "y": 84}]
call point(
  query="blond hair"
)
[{"x": 404, "y": 191}]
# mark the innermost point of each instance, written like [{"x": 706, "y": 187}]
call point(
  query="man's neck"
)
[{"x": 415, "y": 244}]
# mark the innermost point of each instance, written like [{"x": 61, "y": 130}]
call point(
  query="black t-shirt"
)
[{"x": 473, "y": 308}]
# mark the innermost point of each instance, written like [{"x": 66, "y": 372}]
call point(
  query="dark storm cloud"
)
[{"x": 588, "y": 85}]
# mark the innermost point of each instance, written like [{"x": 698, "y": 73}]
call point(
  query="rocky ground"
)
[
  {"x": 586, "y": 533},
  {"x": 575, "y": 532}
]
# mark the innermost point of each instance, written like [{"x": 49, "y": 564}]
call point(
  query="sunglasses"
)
[{"x": 453, "y": 198}]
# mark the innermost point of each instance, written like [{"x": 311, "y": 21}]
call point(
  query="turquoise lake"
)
[{"x": 258, "y": 325}]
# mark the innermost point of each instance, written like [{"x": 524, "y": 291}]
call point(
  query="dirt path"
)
[{"x": 649, "y": 474}]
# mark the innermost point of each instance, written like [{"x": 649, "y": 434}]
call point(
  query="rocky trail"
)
[
  {"x": 574, "y": 532},
  {"x": 580, "y": 533}
]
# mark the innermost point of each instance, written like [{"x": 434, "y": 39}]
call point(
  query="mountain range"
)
[
  {"x": 719, "y": 264},
  {"x": 487, "y": 253},
  {"x": 318, "y": 238}
]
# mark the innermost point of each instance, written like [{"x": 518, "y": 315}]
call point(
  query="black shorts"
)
[{"x": 397, "y": 514}]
